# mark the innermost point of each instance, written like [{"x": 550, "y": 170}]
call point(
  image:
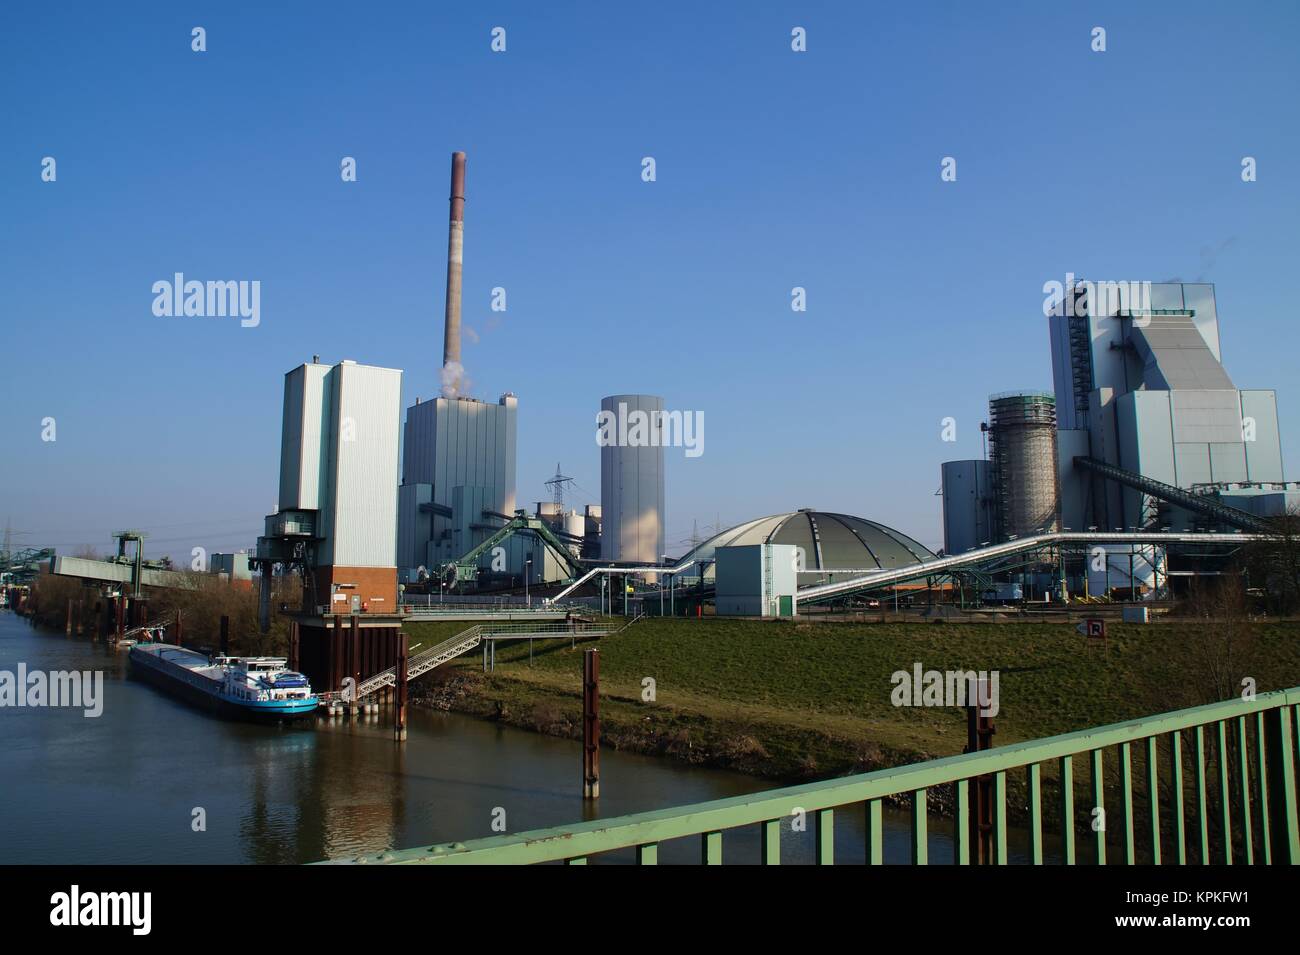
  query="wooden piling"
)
[
  {"x": 180, "y": 632},
  {"x": 591, "y": 724},
  {"x": 399, "y": 709},
  {"x": 225, "y": 635},
  {"x": 336, "y": 662},
  {"x": 979, "y": 737},
  {"x": 67, "y": 619},
  {"x": 352, "y": 656}
]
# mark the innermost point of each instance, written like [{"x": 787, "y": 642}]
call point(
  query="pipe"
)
[{"x": 455, "y": 260}]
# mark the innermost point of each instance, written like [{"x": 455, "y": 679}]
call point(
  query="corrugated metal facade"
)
[
  {"x": 632, "y": 486},
  {"x": 361, "y": 515},
  {"x": 455, "y": 443},
  {"x": 967, "y": 505},
  {"x": 306, "y": 419}
]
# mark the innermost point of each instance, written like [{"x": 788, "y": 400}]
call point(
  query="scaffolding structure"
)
[{"x": 1022, "y": 453}]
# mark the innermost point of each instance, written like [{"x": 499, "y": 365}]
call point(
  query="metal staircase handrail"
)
[{"x": 423, "y": 661}]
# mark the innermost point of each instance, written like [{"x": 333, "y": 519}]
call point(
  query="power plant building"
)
[
  {"x": 1140, "y": 385},
  {"x": 338, "y": 458},
  {"x": 458, "y": 478}
]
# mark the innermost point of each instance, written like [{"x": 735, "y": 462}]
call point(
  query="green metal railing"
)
[{"x": 1205, "y": 751}]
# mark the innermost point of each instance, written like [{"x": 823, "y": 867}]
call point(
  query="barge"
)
[{"x": 252, "y": 688}]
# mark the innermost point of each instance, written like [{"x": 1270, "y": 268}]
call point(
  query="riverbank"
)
[{"x": 798, "y": 701}]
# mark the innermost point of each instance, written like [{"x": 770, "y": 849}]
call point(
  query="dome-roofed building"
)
[{"x": 833, "y": 544}]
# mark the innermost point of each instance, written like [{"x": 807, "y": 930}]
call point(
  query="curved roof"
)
[{"x": 832, "y": 543}]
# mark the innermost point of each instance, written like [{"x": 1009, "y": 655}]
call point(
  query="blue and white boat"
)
[{"x": 258, "y": 688}]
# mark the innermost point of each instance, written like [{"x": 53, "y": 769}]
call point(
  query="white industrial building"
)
[
  {"x": 1145, "y": 390},
  {"x": 336, "y": 514}
]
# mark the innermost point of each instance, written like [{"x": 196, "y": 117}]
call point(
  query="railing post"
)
[
  {"x": 875, "y": 832},
  {"x": 771, "y": 842},
  {"x": 920, "y": 831},
  {"x": 1284, "y": 830},
  {"x": 1067, "y": 809}
]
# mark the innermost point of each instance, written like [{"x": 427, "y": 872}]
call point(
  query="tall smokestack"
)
[{"x": 451, "y": 366}]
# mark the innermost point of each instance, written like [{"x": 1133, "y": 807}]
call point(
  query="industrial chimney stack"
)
[{"x": 452, "y": 370}]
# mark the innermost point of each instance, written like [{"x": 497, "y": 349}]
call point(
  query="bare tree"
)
[
  {"x": 1273, "y": 565},
  {"x": 1222, "y": 650}
]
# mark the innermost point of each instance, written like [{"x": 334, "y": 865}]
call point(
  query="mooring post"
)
[
  {"x": 336, "y": 654},
  {"x": 294, "y": 637},
  {"x": 67, "y": 619},
  {"x": 399, "y": 710},
  {"x": 180, "y": 633},
  {"x": 591, "y": 724},
  {"x": 119, "y": 610},
  {"x": 979, "y": 737},
  {"x": 225, "y": 635},
  {"x": 353, "y": 636}
]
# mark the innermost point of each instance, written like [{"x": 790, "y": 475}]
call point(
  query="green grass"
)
[{"x": 796, "y": 699}]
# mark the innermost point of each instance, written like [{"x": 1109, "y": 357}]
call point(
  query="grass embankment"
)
[{"x": 800, "y": 701}]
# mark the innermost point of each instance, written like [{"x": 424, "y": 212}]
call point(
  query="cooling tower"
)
[{"x": 632, "y": 479}]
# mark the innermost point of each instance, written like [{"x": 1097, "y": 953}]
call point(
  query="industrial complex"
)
[{"x": 1146, "y": 465}]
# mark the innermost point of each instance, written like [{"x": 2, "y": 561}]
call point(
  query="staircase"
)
[
  {"x": 465, "y": 641},
  {"x": 416, "y": 666}
]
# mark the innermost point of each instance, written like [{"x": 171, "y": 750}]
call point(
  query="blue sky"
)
[{"x": 775, "y": 169}]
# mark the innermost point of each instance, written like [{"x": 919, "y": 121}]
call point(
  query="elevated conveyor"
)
[
  {"x": 1179, "y": 497},
  {"x": 982, "y": 556}
]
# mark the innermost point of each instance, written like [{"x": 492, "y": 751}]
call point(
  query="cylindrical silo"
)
[
  {"x": 967, "y": 505},
  {"x": 1022, "y": 453},
  {"x": 630, "y": 432}
]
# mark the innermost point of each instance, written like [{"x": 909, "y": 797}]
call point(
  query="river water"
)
[{"x": 125, "y": 787}]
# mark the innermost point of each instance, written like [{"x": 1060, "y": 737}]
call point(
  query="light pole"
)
[{"x": 661, "y": 588}]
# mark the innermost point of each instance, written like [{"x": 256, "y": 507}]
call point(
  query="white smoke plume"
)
[{"x": 453, "y": 379}]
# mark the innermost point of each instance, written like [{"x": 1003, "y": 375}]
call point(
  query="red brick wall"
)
[{"x": 376, "y": 586}]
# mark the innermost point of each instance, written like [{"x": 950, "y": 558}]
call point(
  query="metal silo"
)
[
  {"x": 967, "y": 505},
  {"x": 1022, "y": 453},
  {"x": 630, "y": 434}
]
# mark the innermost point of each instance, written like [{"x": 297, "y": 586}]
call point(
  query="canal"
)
[{"x": 128, "y": 785}]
